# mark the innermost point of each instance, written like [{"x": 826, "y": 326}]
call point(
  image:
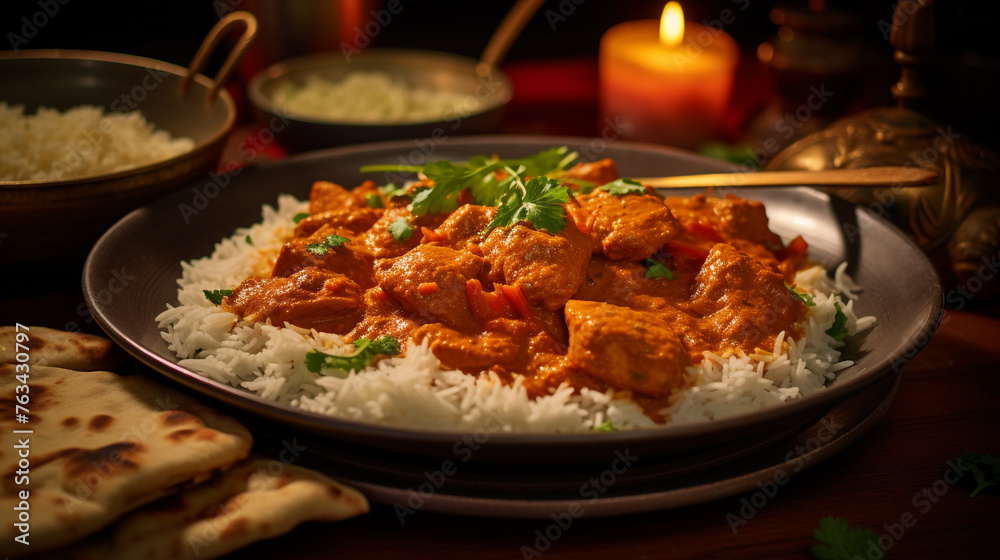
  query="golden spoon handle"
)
[{"x": 867, "y": 177}]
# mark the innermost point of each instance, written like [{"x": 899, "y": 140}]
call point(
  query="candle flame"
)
[{"x": 672, "y": 25}]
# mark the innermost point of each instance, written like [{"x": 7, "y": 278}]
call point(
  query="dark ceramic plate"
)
[{"x": 130, "y": 277}]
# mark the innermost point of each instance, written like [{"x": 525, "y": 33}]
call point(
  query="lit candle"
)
[{"x": 667, "y": 82}]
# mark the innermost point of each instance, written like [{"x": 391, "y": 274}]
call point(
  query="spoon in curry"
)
[{"x": 866, "y": 177}]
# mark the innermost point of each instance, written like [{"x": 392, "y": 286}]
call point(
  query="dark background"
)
[{"x": 963, "y": 80}]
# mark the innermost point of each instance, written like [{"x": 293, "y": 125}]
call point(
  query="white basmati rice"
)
[
  {"x": 81, "y": 142},
  {"x": 414, "y": 391}
]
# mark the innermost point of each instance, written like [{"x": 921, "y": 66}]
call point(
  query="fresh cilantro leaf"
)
[
  {"x": 539, "y": 201},
  {"x": 656, "y": 269},
  {"x": 839, "y": 329},
  {"x": 248, "y": 240},
  {"x": 215, "y": 296},
  {"x": 374, "y": 201},
  {"x": 838, "y": 540},
  {"x": 985, "y": 469},
  {"x": 622, "y": 187},
  {"x": 803, "y": 297},
  {"x": 606, "y": 427},
  {"x": 401, "y": 230},
  {"x": 391, "y": 191},
  {"x": 365, "y": 351},
  {"x": 300, "y": 216},
  {"x": 331, "y": 242}
]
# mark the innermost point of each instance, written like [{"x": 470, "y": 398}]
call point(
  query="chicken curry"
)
[{"x": 627, "y": 293}]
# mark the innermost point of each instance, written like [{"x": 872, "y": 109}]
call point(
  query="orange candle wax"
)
[{"x": 670, "y": 94}]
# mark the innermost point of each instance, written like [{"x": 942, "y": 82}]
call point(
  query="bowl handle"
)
[{"x": 211, "y": 42}]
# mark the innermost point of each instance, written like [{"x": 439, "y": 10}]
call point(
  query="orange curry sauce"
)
[{"x": 575, "y": 307}]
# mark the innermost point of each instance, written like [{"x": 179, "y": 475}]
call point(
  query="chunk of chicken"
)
[{"x": 625, "y": 348}]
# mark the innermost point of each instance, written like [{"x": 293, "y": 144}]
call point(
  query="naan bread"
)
[
  {"x": 51, "y": 347},
  {"x": 103, "y": 445},
  {"x": 255, "y": 500}
]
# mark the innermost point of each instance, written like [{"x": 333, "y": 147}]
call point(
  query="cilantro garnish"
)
[
  {"x": 838, "y": 540},
  {"x": 656, "y": 269},
  {"x": 248, "y": 240},
  {"x": 300, "y": 216},
  {"x": 401, "y": 229},
  {"x": 215, "y": 296},
  {"x": 605, "y": 427},
  {"x": 331, "y": 242},
  {"x": 803, "y": 297},
  {"x": 539, "y": 201},
  {"x": 478, "y": 175},
  {"x": 622, "y": 187},
  {"x": 365, "y": 351},
  {"x": 839, "y": 329},
  {"x": 374, "y": 201},
  {"x": 391, "y": 191},
  {"x": 985, "y": 469}
]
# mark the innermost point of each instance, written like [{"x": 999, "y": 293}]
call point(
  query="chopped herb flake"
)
[
  {"x": 622, "y": 187},
  {"x": 330, "y": 242},
  {"x": 248, "y": 240},
  {"x": 391, "y": 191},
  {"x": 605, "y": 427},
  {"x": 401, "y": 230},
  {"x": 839, "y": 329},
  {"x": 300, "y": 216},
  {"x": 365, "y": 351},
  {"x": 801, "y": 296},
  {"x": 215, "y": 296},
  {"x": 656, "y": 269},
  {"x": 374, "y": 201}
]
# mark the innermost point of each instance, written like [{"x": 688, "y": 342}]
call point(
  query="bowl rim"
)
[
  {"x": 302, "y": 64},
  {"x": 128, "y": 60}
]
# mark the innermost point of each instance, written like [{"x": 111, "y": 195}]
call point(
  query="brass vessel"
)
[{"x": 957, "y": 221}]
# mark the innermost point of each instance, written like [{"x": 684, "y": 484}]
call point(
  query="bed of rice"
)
[
  {"x": 415, "y": 392},
  {"x": 81, "y": 142}
]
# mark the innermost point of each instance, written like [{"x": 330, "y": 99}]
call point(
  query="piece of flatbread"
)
[
  {"x": 257, "y": 499},
  {"x": 102, "y": 445},
  {"x": 70, "y": 350}
]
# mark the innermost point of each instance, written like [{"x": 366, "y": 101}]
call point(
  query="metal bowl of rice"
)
[
  {"x": 88, "y": 136},
  {"x": 332, "y": 99}
]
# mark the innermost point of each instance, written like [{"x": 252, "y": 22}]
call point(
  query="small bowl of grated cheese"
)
[{"x": 379, "y": 94}]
